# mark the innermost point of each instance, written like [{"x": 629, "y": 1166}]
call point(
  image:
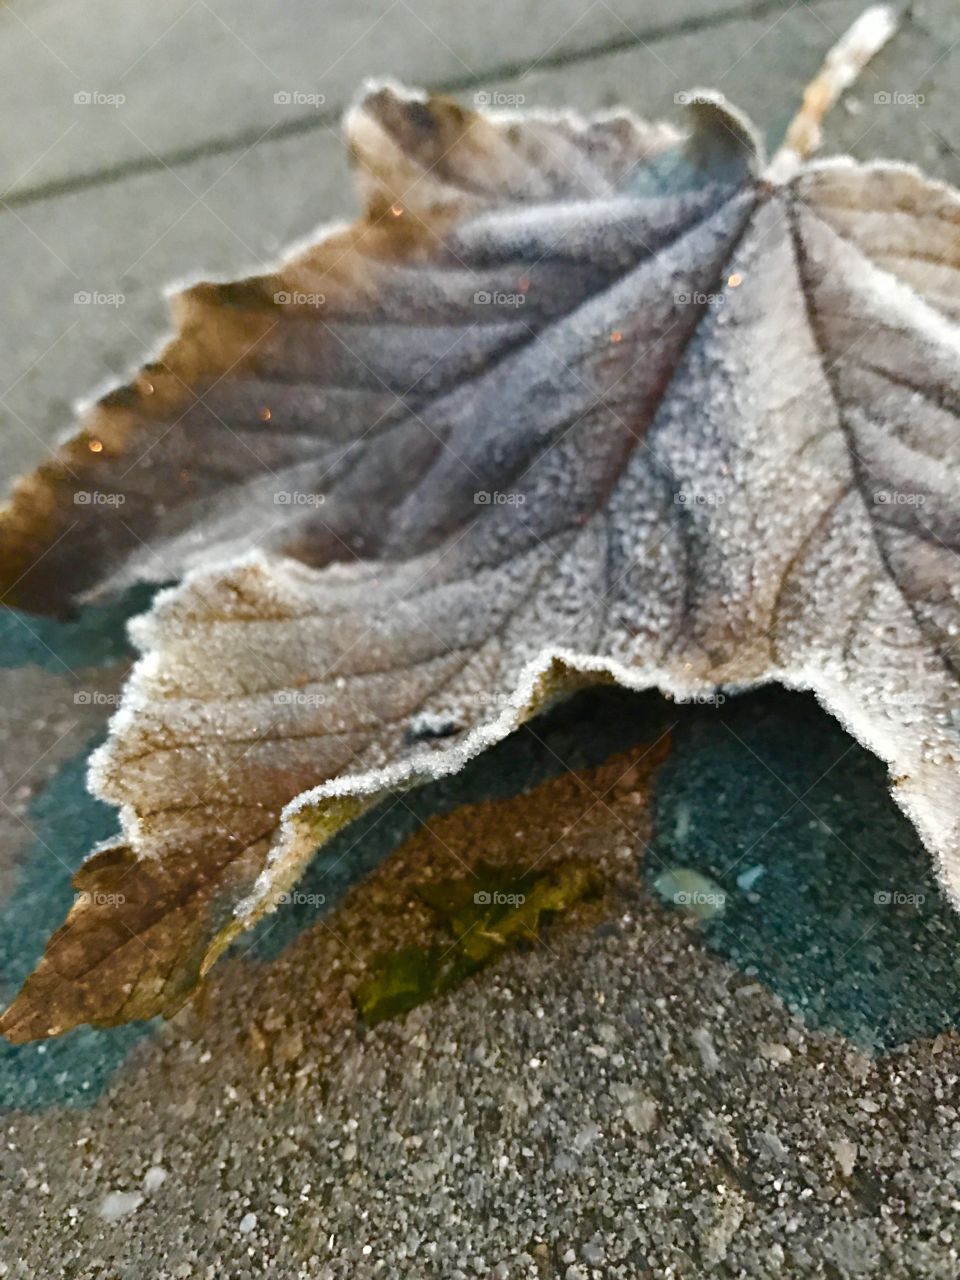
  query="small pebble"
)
[
  {"x": 708, "y": 1054},
  {"x": 776, "y": 1052},
  {"x": 154, "y": 1178},
  {"x": 748, "y": 878},
  {"x": 117, "y": 1204},
  {"x": 846, "y": 1155}
]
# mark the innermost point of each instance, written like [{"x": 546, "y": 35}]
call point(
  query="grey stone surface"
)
[
  {"x": 222, "y": 216},
  {"x": 617, "y": 1107},
  {"x": 192, "y": 71}
]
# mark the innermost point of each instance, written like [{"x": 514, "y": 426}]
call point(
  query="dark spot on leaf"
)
[{"x": 427, "y": 730}]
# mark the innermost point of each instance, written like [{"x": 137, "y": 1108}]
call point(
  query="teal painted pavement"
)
[{"x": 837, "y": 909}]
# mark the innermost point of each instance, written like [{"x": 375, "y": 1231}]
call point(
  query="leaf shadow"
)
[
  {"x": 580, "y": 733},
  {"x": 843, "y": 916}
]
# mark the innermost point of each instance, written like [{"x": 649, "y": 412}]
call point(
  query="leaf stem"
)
[{"x": 840, "y": 70}]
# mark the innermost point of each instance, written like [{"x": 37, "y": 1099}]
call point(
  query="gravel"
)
[{"x": 620, "y": 1101}]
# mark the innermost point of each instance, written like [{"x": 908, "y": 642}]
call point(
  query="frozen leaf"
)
[{"x": 571, "y": 401}]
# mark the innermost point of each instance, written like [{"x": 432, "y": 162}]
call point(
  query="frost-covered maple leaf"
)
[{"x": 570, "y": 399}]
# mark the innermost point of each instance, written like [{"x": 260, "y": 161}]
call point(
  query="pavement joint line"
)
[{"x": 225, "y": 143}]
